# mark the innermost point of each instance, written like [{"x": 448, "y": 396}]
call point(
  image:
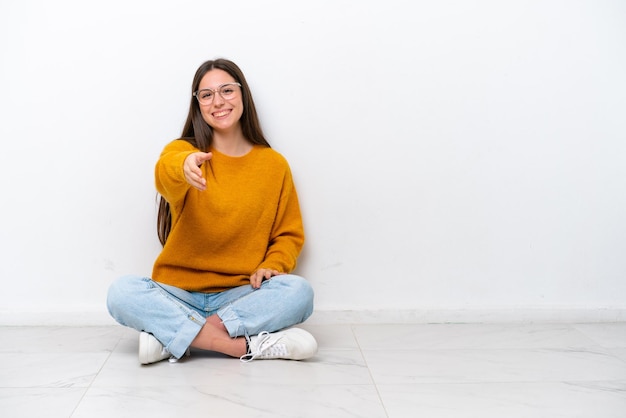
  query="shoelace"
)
[
  {"x": 265, "y": 348},
  {"x": 274, "y": 351}
]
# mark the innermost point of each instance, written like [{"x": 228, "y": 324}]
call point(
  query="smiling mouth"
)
[{"x": 221, "y": 113}]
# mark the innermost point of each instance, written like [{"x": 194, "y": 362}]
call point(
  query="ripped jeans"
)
[{"x": 175, "y": 316}]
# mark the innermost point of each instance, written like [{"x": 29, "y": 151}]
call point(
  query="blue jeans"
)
[{"x": 175, "y": 316}]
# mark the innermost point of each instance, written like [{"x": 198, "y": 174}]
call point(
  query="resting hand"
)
[
  {"x": 262, "y": 274},
  {"x": 192, "y": 170}
]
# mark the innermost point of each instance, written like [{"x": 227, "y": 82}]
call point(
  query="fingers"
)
[
  {"x": 262, "y": 274},
  {"x": 255, "y": 280},
  {"x": 192, "y": 169},
  {"x": 202, "y": 157}
]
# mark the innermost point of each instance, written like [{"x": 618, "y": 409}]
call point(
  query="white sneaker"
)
[
  {"x": 151, "y": 350},
  {"x": 290, "y": 344}
]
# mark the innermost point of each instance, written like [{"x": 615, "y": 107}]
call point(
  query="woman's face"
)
[{"x": 221, "y": 114}]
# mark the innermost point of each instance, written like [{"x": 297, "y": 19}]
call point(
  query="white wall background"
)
[{"x": 455, "y": 160}]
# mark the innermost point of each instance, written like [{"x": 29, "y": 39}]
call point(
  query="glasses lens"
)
[
  {"x": 205, "y": 96},
  {"x": 228, "y": 91}
]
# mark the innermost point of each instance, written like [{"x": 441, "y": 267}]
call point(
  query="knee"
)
[
  {"x": 299, "y": 286},
  {"x": 301, "y": 291},
  {"x": 120, "y": 291},
  {"x": 305, "y": 290}
]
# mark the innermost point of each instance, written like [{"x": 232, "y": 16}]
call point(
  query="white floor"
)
[{"x": 444, "y": 370}]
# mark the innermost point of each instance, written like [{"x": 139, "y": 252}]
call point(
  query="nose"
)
[{"x": 218, "y": 100}]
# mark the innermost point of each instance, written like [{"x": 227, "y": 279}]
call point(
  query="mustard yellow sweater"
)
[{"x": 247, "y": 218}]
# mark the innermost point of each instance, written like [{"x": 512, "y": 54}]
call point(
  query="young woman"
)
[{"x": 230, "y": 224}]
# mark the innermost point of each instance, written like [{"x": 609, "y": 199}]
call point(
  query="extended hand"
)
[{"x": 192, "y": 170}]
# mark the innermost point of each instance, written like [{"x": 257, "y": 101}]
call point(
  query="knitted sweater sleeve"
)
[
  {"x": 169, "y": 177},
  {"x": 287, "y": 236}
]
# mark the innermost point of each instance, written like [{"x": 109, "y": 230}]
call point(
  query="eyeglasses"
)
[{"x": 227, "y": 91}]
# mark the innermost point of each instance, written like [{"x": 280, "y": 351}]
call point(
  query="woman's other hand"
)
[{"x": 262, "y": 274}]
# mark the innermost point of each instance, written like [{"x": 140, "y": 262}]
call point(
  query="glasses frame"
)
[{"x": 215, "y": 92}]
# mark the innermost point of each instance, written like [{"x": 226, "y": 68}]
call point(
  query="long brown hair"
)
[{"x": 198, "y": 133}]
